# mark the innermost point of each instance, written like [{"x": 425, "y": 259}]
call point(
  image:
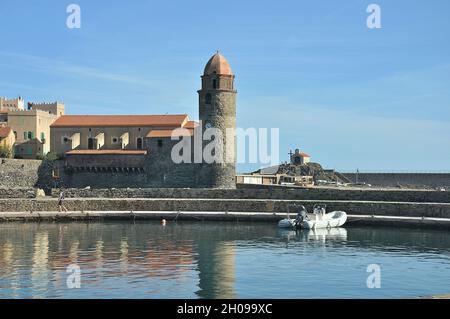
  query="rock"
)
[
  {"x": 31, "y": 194},
  {"x": 87, "y": 187},
  {"x": 40, "y": 192}
]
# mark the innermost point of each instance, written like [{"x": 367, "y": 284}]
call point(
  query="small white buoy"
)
[{"x": 163, "y": 222}]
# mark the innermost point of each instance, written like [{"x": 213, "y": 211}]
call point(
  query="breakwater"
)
[
  {"x": 262, "y": 203},
  {"x": 436, "y": 210},
  {"x": 174, "y": 216},
  {"x": 318, "y": 194}
]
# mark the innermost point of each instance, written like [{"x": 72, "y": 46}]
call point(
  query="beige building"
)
[
  {"x": 30, "y": 127},
  {"x": 30, "y": 149},
  {"x": 16, "y": 104},
  {"x": 257, "y": 179},
  {"x": 7, "y": 140},
  {"x": 275, "y": 179},
  {"x": 33, "y": 128},
  {"x": 111, "y": 132}
]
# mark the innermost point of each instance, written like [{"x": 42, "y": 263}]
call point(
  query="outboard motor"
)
[{"x": 301, "y": 216}]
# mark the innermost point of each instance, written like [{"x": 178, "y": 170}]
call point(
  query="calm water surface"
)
[{"x": 218, "y": 260}]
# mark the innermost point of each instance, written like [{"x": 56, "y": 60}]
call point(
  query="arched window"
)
[
  {"x": 208, "y": 98},
  {"x": 139, "y": 143},
  {"x": 214, "y": 84}
]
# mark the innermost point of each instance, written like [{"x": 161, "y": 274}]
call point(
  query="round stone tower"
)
[{"x": 217, "y": 109}]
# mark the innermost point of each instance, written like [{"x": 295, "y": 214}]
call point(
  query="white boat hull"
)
[{"x": 330, "y": 220}]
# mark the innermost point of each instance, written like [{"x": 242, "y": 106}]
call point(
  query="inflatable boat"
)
[{"x": 318, "y": 219}]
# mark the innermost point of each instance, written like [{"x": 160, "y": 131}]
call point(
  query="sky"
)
[{"x": 350, "y": 96}]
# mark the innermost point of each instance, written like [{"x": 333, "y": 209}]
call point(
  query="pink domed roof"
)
[{"x": 218, "y": 65}]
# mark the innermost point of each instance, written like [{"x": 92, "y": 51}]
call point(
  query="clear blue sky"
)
[{"x": 350, "y": 96}]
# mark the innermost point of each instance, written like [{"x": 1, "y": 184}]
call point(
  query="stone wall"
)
[
  {"x": 25, "y": 174},
  {"x": 440, "y": 210},
  {"x": 156, "y": 169},
  {"x": 83, "y": 179},
  {"x": 19, "y": 173},
  {"x": 162, "y": 171},
  {"x": 17, "y": 192},
  {"x": 105, "y": 160},
  {"x": 317, "y": 194},
  {"x": 395, "y": 179}
]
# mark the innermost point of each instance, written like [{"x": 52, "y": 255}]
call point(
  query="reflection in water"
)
[
  {"x": 98, "y": 254},
  {"x": 319, "y": 235},
  {"x": 73, "y": 252},
  {"x": 8, "y": 251},
  {"x": 217, "y": 260},
  {"x": 124, "y": 256},
  {"x": 7, "y": 265},
  {"x": 216, "y": 265},
  {"x": 39, "y": 270}
]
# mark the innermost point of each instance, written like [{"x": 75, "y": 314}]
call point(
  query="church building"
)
[{"x": 136, "y": 150}]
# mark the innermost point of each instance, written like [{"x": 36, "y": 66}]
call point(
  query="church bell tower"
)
[{"x": 217, "y": 109}]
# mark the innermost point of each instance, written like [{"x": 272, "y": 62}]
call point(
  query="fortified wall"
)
[{"x": 395, "y": 179}]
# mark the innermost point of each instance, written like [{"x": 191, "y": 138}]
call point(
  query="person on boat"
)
[
  {"x": 60, "y": 201},
  {"x": 301, "y": 216}
]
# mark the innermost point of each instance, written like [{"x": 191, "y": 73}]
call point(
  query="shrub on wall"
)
[
  {"x": 5, "y": 152},
  {"x": 49, "y": 157}
]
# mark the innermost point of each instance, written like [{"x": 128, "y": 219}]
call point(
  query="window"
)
[
  {"x": 90, "y": 143},
  {"x": 214, "y": 84},
  {"x": 42, "y": 136},
  {"x": 160, "y": 143},
  {"x": 139, "y": 143},
  {"x": 15, "y": 134},
  {"x": 65, "y": 139},
  {"x": 208, "y": 98}
]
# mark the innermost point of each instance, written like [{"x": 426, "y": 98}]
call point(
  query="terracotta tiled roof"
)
[
  {"x": 120, "y": 120},
  {"x": 191, "y": 124},
  {"x": 304, "y": 155},
  {"x": 5, "y": 131},
  {"x": 168, "y": 133},
  {"x": 218, "y": 65},
  {"x": 106, "y": 152}
]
